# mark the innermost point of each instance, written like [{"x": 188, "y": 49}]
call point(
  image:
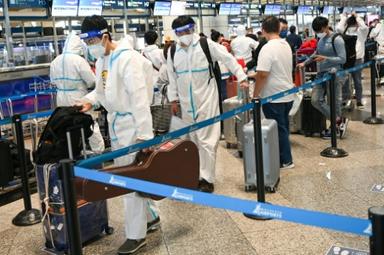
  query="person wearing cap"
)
[
  {"x": 243, "y": 46},
  {"x": 121, "y": 87},
  {"x": 73, "y": 76},
  {"x": 190, "y": 84}
]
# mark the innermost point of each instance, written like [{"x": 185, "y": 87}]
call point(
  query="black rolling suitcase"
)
[{"x": 313, "y": 121}]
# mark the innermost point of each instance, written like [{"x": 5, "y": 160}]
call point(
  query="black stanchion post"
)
[
  {"x": 28, "y": 216},
  {"x": 333, "y": 151},
  {"x": 258, "y": 156},
  {"x": 66, "y": 175},
  {"x": 373, "y": 119},
  {"x": 376, "y": 241}
]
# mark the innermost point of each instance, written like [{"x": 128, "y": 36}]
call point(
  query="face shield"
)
[
  {"x": 92, "y": 39},
  {"x": 91, "y": 36}
]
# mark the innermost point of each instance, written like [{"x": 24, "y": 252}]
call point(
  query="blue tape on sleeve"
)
[{"x": 312, "y": 218}]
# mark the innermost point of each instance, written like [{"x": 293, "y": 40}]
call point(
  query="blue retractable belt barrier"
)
[
  {"x": 28, "y": 116},
  {"x": 353, "y": 69},
  {"x": 34, "y": 93},
  {"x": 175, "y": 134},
  {"x": 318, "y": 219}
]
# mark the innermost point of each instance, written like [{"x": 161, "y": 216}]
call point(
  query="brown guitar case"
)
[{"x": 174, "y": 163}]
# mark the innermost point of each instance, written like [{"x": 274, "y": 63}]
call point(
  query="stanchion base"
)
[
  {"x": 255, "y": 217},
  {"x": 27, "y": 218},
  {"x": 374, "y": 121},
  {"x": 332, "y": 152}
]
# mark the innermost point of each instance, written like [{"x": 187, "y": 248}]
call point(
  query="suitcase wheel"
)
[
  {"x": 271, "y": 189},
  {"x": 109, "y": 230},
  {"x": 240, "y": 154},
  {"x": 249, "y": 188}
]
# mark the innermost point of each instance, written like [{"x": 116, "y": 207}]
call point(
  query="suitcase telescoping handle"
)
[{"x": 69, "y": 141}]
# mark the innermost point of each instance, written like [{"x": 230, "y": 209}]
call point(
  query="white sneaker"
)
[
  {"x": 287, "y": 166},
  {"x": 343, "y": 127}
]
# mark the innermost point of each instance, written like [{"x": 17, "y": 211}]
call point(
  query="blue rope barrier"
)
[
  {"x": 353, "y": 69},
  {"x": 28, "y": 116},
  {"x": 307, "y": 217},
  {"x": 175, "y": 134},
  {"x": 34, "y": 93}
]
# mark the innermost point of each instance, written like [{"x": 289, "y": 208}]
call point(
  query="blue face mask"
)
[{"x": 283, "y": 33}]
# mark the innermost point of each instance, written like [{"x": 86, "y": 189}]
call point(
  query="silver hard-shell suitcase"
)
[
  {"x": 230, "y": 124},
  {"x": 271, "y": 158},
  {"x": 241, "y": 120}
]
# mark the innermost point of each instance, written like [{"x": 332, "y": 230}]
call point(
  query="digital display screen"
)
[
  {"x": 113, "y": 4},
  {"x": 304, "y": 9},
  {"x": 272, "y": 9},
  {"x": 162, "y": 8},
  {"x": 90, "y": 7},
  {"x": 192, "y": 5},
  {"x": 178, "y": 8},
  {"x": 138, "y": 4},
  {"x": 65, "y": 8},
  {"x": 328, "y": 10},
  {"x": 208, "y": 5},
  {"x": 26, "y": 4},
  {"x": 235, "y": 9},
  {"x": 347, "y": 10},
  {"x": 225, "y": 9}
]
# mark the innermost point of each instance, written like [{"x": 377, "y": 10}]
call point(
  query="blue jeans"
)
[
  {"x": 356, "y": 76},
  {"x": 321, "y": 102},
  {"x": 280, "y": 113}
]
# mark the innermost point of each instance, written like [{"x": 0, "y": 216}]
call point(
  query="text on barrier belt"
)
[
  {"x": 312, "y": 218},
  {"x": 28, "y": 116},
  {"x": 34, "y": 93}
]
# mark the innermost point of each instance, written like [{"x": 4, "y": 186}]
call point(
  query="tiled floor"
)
[{"x": 339, "y": 186}]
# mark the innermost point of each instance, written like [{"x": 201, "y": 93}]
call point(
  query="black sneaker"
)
[
  {"x": 205, "y": 186},
  {"x": 360, "y": 105},
  {"x": 131, "y": 246},
  {"x": 153, "y": 225},
  {"x": 327, "y": 135}
]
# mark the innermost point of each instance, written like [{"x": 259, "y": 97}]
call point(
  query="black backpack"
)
[
  {"x": 53, "y": 145},
  {"x": 350, "y": 48},
  {"x": 214, "y": 69}
]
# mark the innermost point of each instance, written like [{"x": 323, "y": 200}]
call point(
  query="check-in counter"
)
[{"x": 16, "y": 82}]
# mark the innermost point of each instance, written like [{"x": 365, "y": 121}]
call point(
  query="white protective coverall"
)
[
  {"x": 72, "y": 76},
  {"x": 121, "y": 87},
  {"x": 242, "y": 46},
  {"x": 361, "y": 32},
  {"x": 378, "y": 34},
  {"x": 189, "y": 82}
]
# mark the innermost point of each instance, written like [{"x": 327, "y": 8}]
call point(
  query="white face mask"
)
[
  {"x": 96, "y": 50},
  {"x": 321, "y": 35},
  {"x": 186, "y": 39}
]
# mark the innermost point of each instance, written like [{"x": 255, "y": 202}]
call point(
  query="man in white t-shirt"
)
[{"x": 274, "y": 75}]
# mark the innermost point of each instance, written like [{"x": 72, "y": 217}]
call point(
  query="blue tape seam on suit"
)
[{"x": 312, "y": 218}]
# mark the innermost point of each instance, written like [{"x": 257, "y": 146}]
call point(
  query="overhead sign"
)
[
  {"x": 26, "y": 3},
  {"x": 113, "y": 4},
  {"x": 90, "y": 7},
  {"x": 137, "y": 4},
  {"x": 65, "y": 8}
]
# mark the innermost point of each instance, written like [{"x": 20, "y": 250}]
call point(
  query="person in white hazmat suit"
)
[
  {"x": 153, "y": 54},
  {"x": 242, "y": 45},
  {"x": 121, "y": 88},
  {"x": 190, "y": 83},
  {"x": 72, "y": 75}
]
